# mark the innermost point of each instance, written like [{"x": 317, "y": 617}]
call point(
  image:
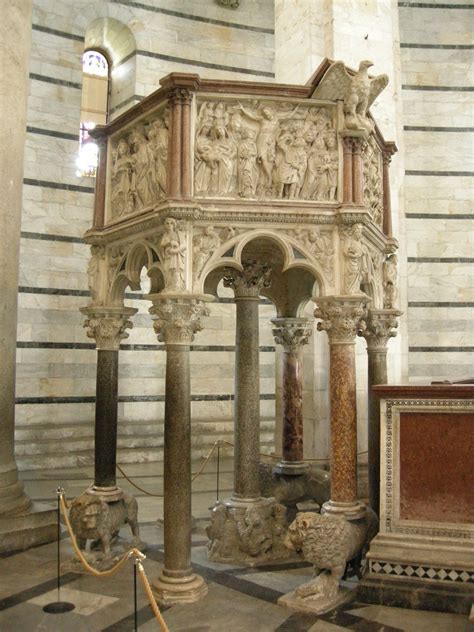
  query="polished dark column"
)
[
  {"x": 107, "y": 326},
  {"x": 247, "y": 286},
  {"x": 177, "y": 321},
  {"x": 340, "y": 317},
  {"x": 292, "y": 334},
  {"x": 380, "y": 327}
]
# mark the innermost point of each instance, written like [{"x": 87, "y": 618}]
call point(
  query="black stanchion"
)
[
  {"x": 59, "y": 607},
  {"x": 135, "y": 594},
  {"x": 218, "y": 468}
]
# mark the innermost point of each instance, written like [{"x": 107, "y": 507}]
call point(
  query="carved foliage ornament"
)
[
  {"x": 139, "y": 166},
  {"x": 108, "y": 331},
  {"x": 340, "y": 319},
  {"x": 266, "y": 149},
  {"x": 177, "y": 320},
  {"x": 373, "y": 191},
  {"x": 250, "y": 281},
  {"x": 379, "y": 327},
  {"x": 291, "y": 334}
]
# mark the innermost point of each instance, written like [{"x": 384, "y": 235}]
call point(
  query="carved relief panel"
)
[
  {"x": 138, "y": 165},
  {"x": 266, "y": 149},
  {"x": 373, "y": 191}
]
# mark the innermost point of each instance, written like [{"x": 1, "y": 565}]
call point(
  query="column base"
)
[
  {"x": 291, "y": 468},
  {"x": 320, "y": 601},
  {"x": 350, "y": 511},
  {"x": 13, "y": 499},
  {"x": 108, "y": 494},
  {"x": 248, "y": 531},
  {"x": 38, "y": 525},
  {"x": 169, "y": 591}
]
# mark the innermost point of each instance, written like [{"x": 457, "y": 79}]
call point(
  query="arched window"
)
[{"x": 95, "y": 96}]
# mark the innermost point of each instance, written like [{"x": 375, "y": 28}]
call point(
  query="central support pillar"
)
[
  {"x": 380, "y": 327},
  {"x": 247, "y": 528},
  {"x": 178, "y": 318},
  {"x": 340, "y": 318},
  {"x": 292, "y": 334}
]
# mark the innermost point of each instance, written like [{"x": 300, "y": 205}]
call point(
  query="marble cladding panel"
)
[
  {"x": 438, "y": 194},
  {"x": 437, "y": 108},
  {"x": 441, "y": 281},
  {"x": 428, "y": 492},
  {"x": 430, "y": 25},
  {"x": 441, "y": 237},
  {"x": 439, "y": 151}
]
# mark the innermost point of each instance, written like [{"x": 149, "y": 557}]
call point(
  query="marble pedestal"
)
[{"x": 36, "y": 526}]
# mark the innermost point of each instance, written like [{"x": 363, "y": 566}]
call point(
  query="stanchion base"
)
[
  {"x": 58, "y": 607},
  {"x": 172, "y": 592}
]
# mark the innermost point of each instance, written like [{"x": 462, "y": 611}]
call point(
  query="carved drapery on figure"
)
[
  {"x": 358, "y": 267},
  {"x": 266, "y": 149},
  {"x": 390, "y": 286},
  {"x": 172, "y": 249},
  {"x": 139, "y": 166}
]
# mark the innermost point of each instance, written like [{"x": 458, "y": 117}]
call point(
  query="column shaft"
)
[
  {"x": 387, "y": 205},
  {"x": 347, "y": 197},
  {"x": 377, "y": 374},
  {"x": 292, "y": 407},
  {"x": 186, "y": 146},
  {"x": 343, "y": 423},
  {"x": 174, "y": 174},
  {"x": 247, "y": 400},
  {"x": 177, "y": 463},
  {"x": 100, "y": 184},
  {"x": 106, "y": 418},
  {"x": 357, "y": 175}
]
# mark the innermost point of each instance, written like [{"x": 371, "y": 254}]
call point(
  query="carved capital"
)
[
  {"x": 292, "y": 333},
  {"x": 108, "y": 325},
  {"x": 249, "y": 282},
  {"x": 354, "y": 144},
  {"x": 177, "y": 319},
  {"x": 232, "y": 4},
  {"x": 380, "y": 326},
  {"x": 341, "y": 317},
  {"x": 181, "y": 96},
  {"x": 386, "y": 158}
]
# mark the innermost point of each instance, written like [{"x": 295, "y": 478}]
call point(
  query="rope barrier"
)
[
  {"x": 135, "y": 553},
  {"x": 223, "y": 443}
]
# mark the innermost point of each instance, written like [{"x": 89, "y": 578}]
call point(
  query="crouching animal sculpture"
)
[
  {"x": 94, "y": 519},
  {"x": 329, "y": 543}
]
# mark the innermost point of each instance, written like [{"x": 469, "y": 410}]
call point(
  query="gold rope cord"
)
[
  {"x": 138, "y": 555},
  {"x": 224, "y": 443}
]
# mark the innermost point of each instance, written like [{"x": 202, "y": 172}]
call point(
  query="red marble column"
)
[
  {"x": 292, "y": 333},
  {"x": 347, "y": 170},
  {"x": 387, "y": 207},
  {"x": 174, "y": 163},
  {"x": 380, "y": 327},
  {"x": 186, "y": 158},
  {"x": 340, "y": 317}
]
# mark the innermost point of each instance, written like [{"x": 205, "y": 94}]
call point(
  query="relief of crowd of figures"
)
[
  {"x": 266, "y": 150},
  {"x": 139, "y": 167}
]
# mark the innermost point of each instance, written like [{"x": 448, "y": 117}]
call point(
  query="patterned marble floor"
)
[{"x": 240, "y": 599}]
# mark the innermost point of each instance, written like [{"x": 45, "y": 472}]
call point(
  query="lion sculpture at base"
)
[
  {"x": 94, "y": 519},
  {"x": 329, "y": 543}
]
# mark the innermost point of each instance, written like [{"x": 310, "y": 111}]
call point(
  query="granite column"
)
[
  {"x": 380, "y": 327},
  {"x": 292, "y": 334},
  {"x": 340, "y": 317},
  {"x": 177, "y": 319},
  {"x": 107, "y": 326}
]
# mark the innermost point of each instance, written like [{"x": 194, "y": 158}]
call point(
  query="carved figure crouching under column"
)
[
  {"x": 94, "y": 519},
  {"x": 329, "y": 542},
  {"x": 250, "y": 535}
]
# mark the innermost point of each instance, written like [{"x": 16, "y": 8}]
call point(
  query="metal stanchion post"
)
[
  {"x": 135, "y": 594},
  {"x": 218, "y": 467},
  {"x": 59, "y": 607}
]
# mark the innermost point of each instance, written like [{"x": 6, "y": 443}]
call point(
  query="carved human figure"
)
[
  {"x": 206, "y": 118},
  {"x": 158, "y": 137},
  {"x": 203, "y": 247},
  {"x": 390, "y": 281},
  {"x": 269, "y": 121},
  {"x": 312, "y": 175},
  {"x": 123, "y": 180},
  {"x": 247, "y": 175},
  {"x": 144, "y": 169},
  {"x": 328, "y": 170},
  {"x": 355, "y": 264},
  {"x": 93, "y": 273},
  {"x": 225, "y": 152},
  {"x": 173, "y": 252}
]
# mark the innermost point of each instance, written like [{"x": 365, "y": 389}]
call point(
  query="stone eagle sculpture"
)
[{"x": 358, "y": 91}]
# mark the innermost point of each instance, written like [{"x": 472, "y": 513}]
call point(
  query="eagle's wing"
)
[
  {"x": 377, "y": 84},
  {"x": 335, "y": 84}
]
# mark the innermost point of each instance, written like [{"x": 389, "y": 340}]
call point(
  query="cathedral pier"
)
[
  {"x": 177, "y": 320},
  {"x": 380, "y": 327},
  {"x": 340, "y": 317},
  {"x": 292, "y": 334},
  {"x": 107, "y": 326},
  {"x": 20, "y": 526}
]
